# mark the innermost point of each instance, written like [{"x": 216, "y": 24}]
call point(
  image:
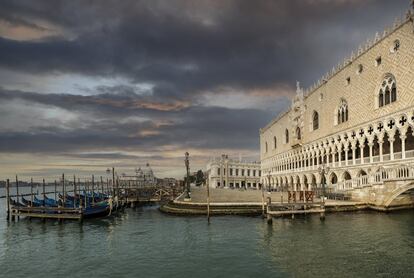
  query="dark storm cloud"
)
[
  {"x": 191, "y": 127},
  {"x": 185, "y": 50}
]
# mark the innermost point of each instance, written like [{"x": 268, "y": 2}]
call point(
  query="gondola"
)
[
  {"x": 98, "y": 210},
  {"x": 35, "y": 203}
]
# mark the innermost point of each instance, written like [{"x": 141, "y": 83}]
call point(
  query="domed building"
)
[{"x": 145, "y": 175}]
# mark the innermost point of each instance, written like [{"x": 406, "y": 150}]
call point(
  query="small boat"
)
[
  {"x": 98, "y": 210},
  {"x": 16, "y": 204}
]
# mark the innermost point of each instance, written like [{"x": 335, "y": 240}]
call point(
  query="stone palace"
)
[{"x": 356, "y": 123}]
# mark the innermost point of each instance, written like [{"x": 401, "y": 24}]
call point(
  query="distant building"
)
[
  {"x": 167, "y": 182},
  {"x": 143, "y": 176},
  {"x": 223, "y": 172}
]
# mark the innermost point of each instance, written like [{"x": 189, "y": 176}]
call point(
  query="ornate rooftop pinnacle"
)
[{"x": 297, "y": 86}]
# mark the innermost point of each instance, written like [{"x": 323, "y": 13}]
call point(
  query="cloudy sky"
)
[{"x": 87, "y": 85}]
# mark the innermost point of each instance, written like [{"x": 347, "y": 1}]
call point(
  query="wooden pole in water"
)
[
  {"x": 107, "y": 186},
  {"x": 113, "y": 182},
  {"x": 208, "y": 203},
  {"x": 74, "y": 191},
  {"x": 31, "y": 192},
  {"x": 269, "y": 216},
  {"x": 17, "y": 194},
  {"x": 102, "y": 187},
  {"x": 85, "y": 194},
  {"x": 93, "y": 190},
  {"x": 263, "y": 202},
  {"x": 55, "y": 191},
  {"x": 64, "y": 190},
  {"x": 7, "y": 199},
  {"x": 44, "y": 193}
]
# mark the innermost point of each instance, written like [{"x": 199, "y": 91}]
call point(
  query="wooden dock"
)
[
  {"x": 305, "y": 205},
  {"x": 119, "y": 194}
]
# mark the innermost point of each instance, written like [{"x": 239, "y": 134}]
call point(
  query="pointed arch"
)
[
  {"x": 388, "y": 90},
  {"x": 315, "y": 120},
  {"x": 342, "y": 112}
]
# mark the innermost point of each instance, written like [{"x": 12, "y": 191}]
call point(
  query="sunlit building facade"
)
[
  {"x": 224, "y": 172},
  {"x": 357, "y": 120}
]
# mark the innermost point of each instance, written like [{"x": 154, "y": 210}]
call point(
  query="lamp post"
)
[{"x": 187, "y": 166}]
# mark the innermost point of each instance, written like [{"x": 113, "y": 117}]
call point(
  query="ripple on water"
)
[{"x": 145, "y": 243}]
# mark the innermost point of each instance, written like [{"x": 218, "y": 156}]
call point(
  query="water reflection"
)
[{"x": 143, "y": 242}]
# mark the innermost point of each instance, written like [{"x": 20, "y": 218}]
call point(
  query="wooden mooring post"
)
[
  {"x": 64, "y": 190},
  {"x": 44, "y": 193},
  {"x": 55, "y": 190},
  {"x": 17, "y": 195},
  {"x": 268, "y": 215},
  {"x": 93, "y": 190},
  {"x": 31, "y": 192},
  {"x": 208, "y": 203},
  {"x": 7, "y": 199},
  {"x": 75, "y": 196},
  {"x": 263, "y": 201}
]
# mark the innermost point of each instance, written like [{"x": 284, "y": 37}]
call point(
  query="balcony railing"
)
[
  {"x": 375, "y": 160},
  {"x": 385, "y": 174}
]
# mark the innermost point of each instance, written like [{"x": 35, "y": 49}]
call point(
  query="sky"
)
[{"x": 88, "y": 85}]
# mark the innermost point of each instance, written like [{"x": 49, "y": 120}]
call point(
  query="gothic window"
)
[
  {"x": 266, "y": 147},
  {"x": 342, "y": 112},
  {"x": 287, "y": 136},
  {"x": 315, "y": 120},
  {"x": 274, "y": 142},
  {"x": 388, "y": 91},
  {"x": 298, "y": 135}
]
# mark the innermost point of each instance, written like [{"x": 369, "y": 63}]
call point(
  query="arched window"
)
[
  {"x": 287, "y": 136},
  {"x": 315, "y": 120},
  {"x": 388, "y": 91},
  {"x": 342, "y": 112},
  {"x": 266, "y": 147},
  {"x": 274, "y": 142},
  {"x": 298, "y": 134}
]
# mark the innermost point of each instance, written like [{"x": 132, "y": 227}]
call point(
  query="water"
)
[{"x": 146, "y": 243}]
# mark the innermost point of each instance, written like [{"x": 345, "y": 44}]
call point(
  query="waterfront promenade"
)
[
  {"x": 221, "y": 195},
  {"x": 250, "y": 202}
]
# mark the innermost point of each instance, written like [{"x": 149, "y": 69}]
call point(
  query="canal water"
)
[{"x": 143, "y": 242}]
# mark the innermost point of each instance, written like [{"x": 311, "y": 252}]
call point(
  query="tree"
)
[{"x": 199, "y": 178}]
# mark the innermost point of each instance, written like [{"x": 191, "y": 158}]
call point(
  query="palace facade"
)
[
  {"x": 223, "y": 172},
  {"x": 357, "y": 121}
]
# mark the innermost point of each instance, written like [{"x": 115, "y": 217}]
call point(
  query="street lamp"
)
[
  {"x": 323, "y": 170},
  {"x": 187, "y": 166}
]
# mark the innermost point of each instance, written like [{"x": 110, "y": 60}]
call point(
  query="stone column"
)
[
  {"x": 346, "y": 155},
  {"x": 391, "y": 140},
  {"x": 340, "y": 156},
  {"x": 353, "y": 154},
  {"x": 333, "y": 156},
  {"x": 370, "y": 144},
  {"x": 361, "y": 148},
  {"x": 381, "y": 142},
  {"x": 403, "y": 137}
]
